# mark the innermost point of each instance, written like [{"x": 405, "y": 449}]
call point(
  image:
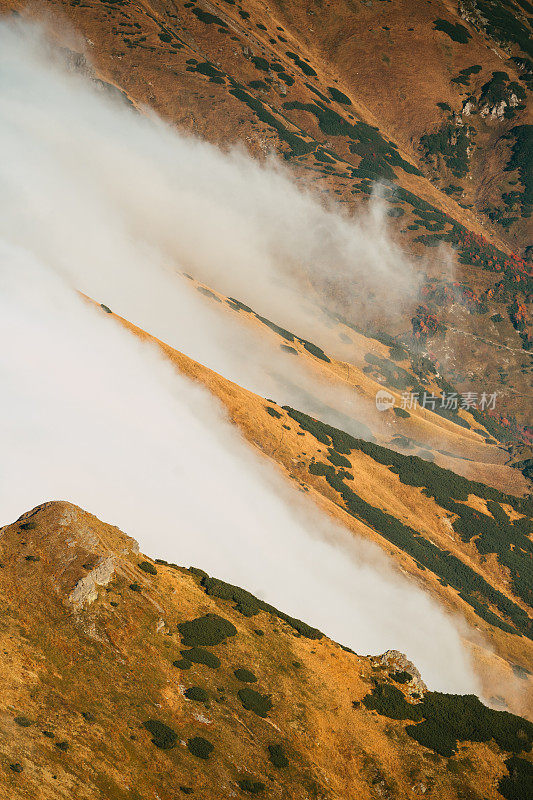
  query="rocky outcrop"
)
[
  {"x": 394, "y": 661},
  {"x": 86, "y": 590}
]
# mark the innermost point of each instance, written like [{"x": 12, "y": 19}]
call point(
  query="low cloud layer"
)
[
  {"x": 98, "y": 199},
  {"x": 121, "y": 202},
  {"x": 92, "y": 415}
]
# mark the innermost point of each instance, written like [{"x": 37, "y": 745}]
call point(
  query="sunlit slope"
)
[
  {"x": 338, "y": 92},
  {"x": 126, "y": 678},
  {"x": 343, "y": 392},
  {"x": 468, "y": 543}
]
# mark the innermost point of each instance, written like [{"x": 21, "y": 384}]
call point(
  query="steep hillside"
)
[
  {"x": 469, "y": 544},
  {"x": 128, "y": 678},
  {"x": 338, "y": 91}
]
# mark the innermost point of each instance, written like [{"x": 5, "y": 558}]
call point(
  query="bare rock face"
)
[{"x": 86, "y": 590}]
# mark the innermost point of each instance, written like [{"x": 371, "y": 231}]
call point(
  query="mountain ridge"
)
[{"x": 120, "y": 725}]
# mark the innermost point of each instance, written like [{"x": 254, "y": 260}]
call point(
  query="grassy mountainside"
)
[
  {"x": 337, "y": 89},
  {"x": 469, "y": 543},
  {"x": 128, "y": 678},
  {"x": 123, "y": 678}
]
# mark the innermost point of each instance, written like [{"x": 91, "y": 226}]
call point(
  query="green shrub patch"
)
[
  {"x": 518, "y": 785},
  {"x": 390, "y": 702},
  {"x": 163, "y": 736},
  {"x": 453, "y": 718},
  {"x": 277, "y": 756},
  {"x": 503, "y": 24},
  {"x": 197, "y": 694},
  {"x": 445, "y": 719},
  {"x": 182, "y": 663},
  {"x": 378, "y": 156},
  {"x": 339, "y": 97},
  {"x": 249, "y": 605},
  {"x": 206, "y": 631},
  {"x": 401, "y": 676},
  {"x": 23, "y": 722},
  {"x": 454, "y": 30},
  {"x": 147, "y": 567},
  {"x": 338, "y": 460},
  {"x": 253, "y": 787},
  {"x": 297, "y": 142},
  {"x": 197, "y": 655},
  {"x": 444, "y": 486},
  {"x": 401, "y": 412},
  {"x": 200, "y": 747},
  {"x": 208, "y": 18},
  {"x": 305, "y": 68},
  {"x": 245, "y": 675},
  {"x": 260, "y": 704}
]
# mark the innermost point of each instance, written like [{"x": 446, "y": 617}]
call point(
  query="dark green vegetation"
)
[
  {"x": 200, "y": 747},
  {"x": 518, "y": 785},
  {"x": 249, "y": 605},
  {"x": 215, "y": 76},
  {"x": 337, "y": 459},
  {"x": 208, "y": 18},
  {"x": 251, "y": 700},
  {"x": 273, "y": 412},
  {"x": 287, "y": 335},
  {"x": 251, "y": 786},
  {"x": 163, "y": 736},
  {"x": 339, "y": 97},
  {"x": 401, "y": 676},
  {"x": 449, "y": 143},
  {"x": 197, "y": 694},
  {"x": 401, "y": 412},
  {"x": 297, "y": 143},
  {"x": 23, "y": 722},
  {"x": 463, "y": 79},
  {"x": 197, "y": 655},
  {"x": 277, "y": 756},
  {"x": 245, "y": 675},
  {"x": 501, "y": 21},
  {"x": 454, "y": 30},
  {"x": 288, "y": 349},
  {"x": 147, "y": 567},
  {"x": 521, "y": 160},
  {"x": 206, "y": 631},
  {"x": 446, "y": 719},
  {"x": 500, "y": 88},
  {"x": 378, "y": 156},
  {"x": 509, "y": 542},
  {"x": 302, "y": 65}
]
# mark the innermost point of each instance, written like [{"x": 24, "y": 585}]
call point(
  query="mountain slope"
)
[
  {"x": 337, "y": 91},
  {"x": 467, "y": 543},
  {"x": 125, "y": 678}
]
